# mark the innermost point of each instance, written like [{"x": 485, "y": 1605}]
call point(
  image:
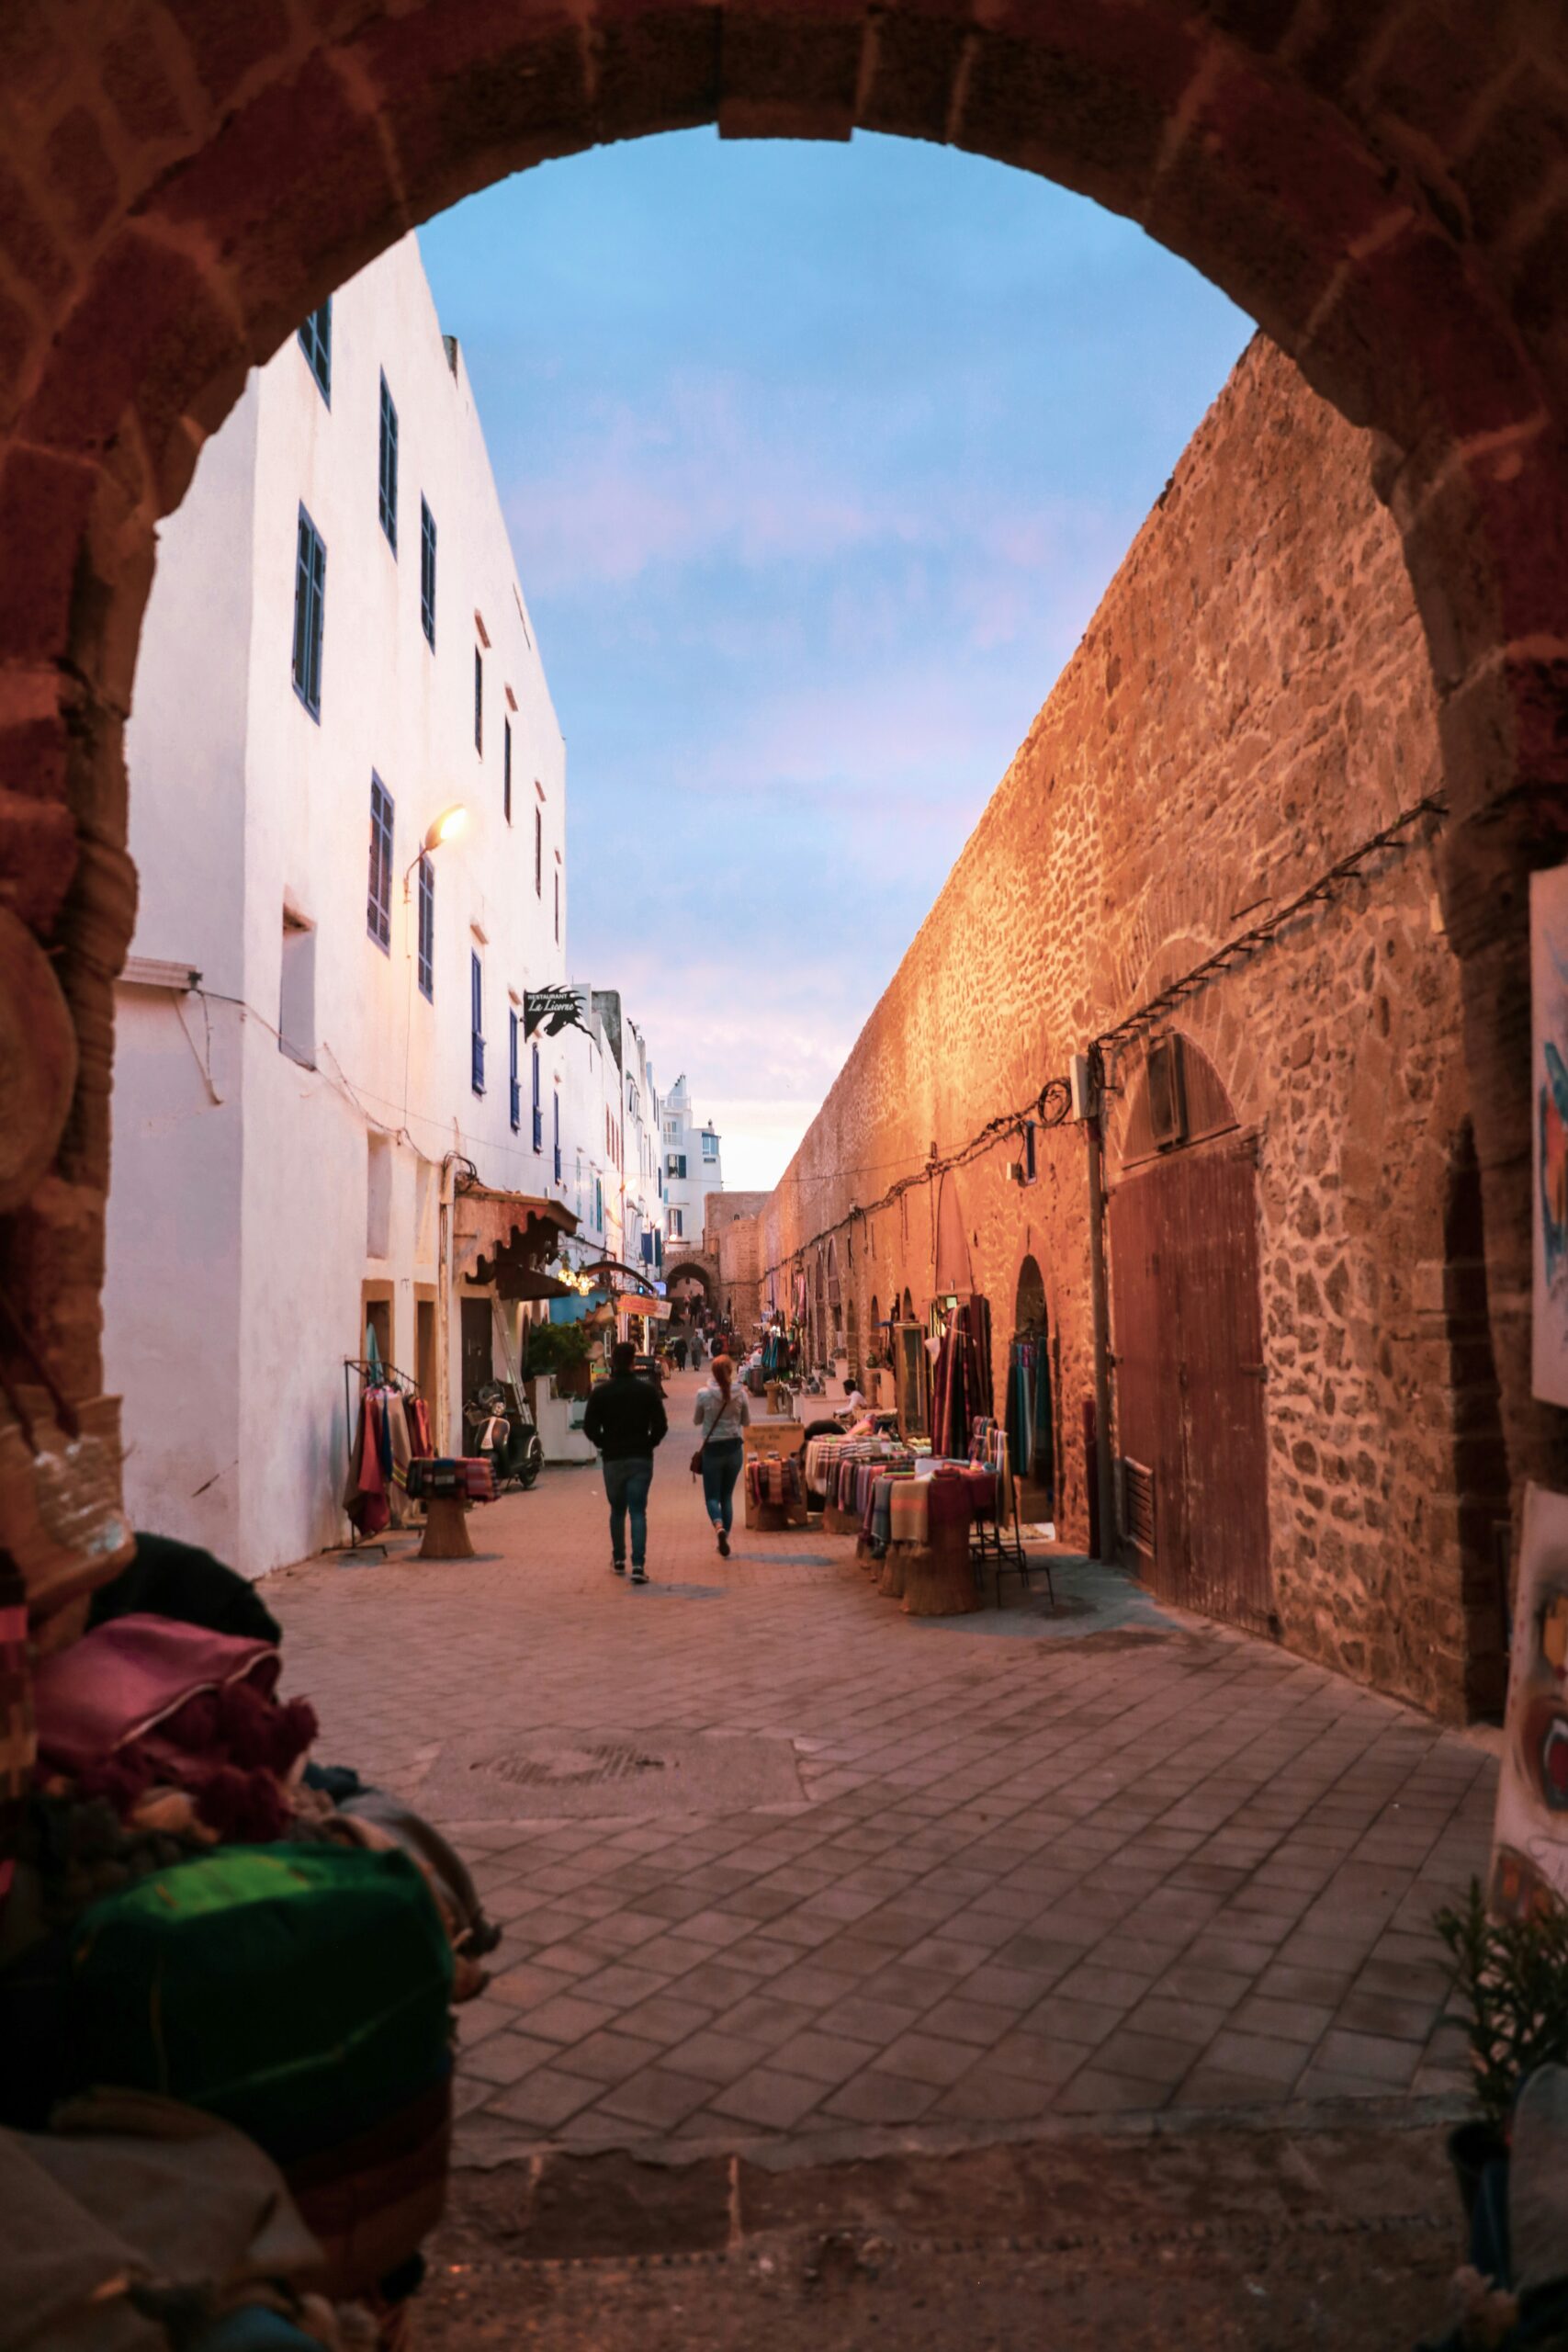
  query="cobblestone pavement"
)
[{"x": 778, "y": 1864}]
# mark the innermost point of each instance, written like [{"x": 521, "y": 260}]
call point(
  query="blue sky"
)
[{"x": 817, "y": 461}]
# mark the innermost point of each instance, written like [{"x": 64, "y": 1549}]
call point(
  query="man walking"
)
[{"x": 626, "y": 1421}]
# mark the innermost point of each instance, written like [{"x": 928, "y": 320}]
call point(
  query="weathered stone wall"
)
[
  {"x": 1251, "y": 702},
  {"x": 731, "y": 1238}
]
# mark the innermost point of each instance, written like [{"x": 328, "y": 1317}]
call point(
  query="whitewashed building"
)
[
  {"x": 319, "y": 1033},
  {"x": 694, "y": 1166}
]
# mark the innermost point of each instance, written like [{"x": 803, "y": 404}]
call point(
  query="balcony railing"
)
[{"x": 477, "y": 1060}]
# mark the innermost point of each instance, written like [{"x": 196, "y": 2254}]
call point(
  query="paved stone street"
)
[{"x": 777, "y": 1862}]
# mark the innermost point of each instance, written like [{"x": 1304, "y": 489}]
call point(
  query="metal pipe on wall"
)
[{"x": 1100, "y": 1325}]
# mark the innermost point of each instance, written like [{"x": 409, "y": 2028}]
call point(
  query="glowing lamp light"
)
[{"x": 447, "y": 826}]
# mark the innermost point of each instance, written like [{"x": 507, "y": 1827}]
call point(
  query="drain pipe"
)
[{"x": 1105, "y": 1488}]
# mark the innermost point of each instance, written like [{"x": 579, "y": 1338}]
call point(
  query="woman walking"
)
[{"x": 721, "y": 1414}]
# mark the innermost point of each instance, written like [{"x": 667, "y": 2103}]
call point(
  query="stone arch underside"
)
[{"x": 1373, "y": 182}]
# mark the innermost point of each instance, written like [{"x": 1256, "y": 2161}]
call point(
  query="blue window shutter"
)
[
  {"x": 387, "y": 482},
  {"x": 478, "y": 702},
  {"x": 427, "y": 929},
  {"x": 310, "y": 608},
  {"x": 427, "y": 573},
  {"x": 379, "y": 905},
  {"x": 477, "y": 1022},
  {"x": 316, "y": 343}
]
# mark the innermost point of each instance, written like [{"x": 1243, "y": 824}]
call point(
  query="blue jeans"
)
[
  {"x": 721, "y": 1467},
  {"x": 626, "y": 1483}
]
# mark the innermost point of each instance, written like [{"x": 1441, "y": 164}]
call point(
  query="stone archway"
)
[{"x": 1374, "y": 182}]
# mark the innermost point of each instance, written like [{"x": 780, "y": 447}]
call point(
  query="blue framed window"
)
[
  {"x": 478, "y": 702},
  {"x": 316, "y": 343},
  {"x": 516, "y": 1103},
  {"x": 477, "y": 1022},
  {"x": 557, "y": 1100},
  {"x": 309, "y": 613},
  {"x": 538, "y": 852},
  {"x": 427, "y": 929},
  {"x": 710, "y": 1147},
  {"x": 379, "y": 906},
  {"x": 427, "y": 572},
  {"x": 506, "y": 769},
  {"x": 598, "y": 1206},
  {"x": 387, "y": 492},
  {"x": 538, "y": 1106}
]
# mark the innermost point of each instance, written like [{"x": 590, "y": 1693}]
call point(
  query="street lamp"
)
[{"x": 445, "y": 828}]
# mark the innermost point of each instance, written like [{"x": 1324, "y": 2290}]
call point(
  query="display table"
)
[
  {"x": 446, "y": 1484},
  {"x": 446, "y": 1529}
]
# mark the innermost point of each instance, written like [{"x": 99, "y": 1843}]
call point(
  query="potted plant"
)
[
  {"x": 563, "y": 1350},
  {"x": 1513, "y": 1977}
]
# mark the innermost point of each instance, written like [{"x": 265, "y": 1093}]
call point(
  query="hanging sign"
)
[{"x": 553, "y": 1010}]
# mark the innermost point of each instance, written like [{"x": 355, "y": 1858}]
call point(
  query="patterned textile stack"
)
[
  {"x": 773, "y": 1478},
  {"x": 469, "y": 1478},
  {"x": 826, "y": 1457}
]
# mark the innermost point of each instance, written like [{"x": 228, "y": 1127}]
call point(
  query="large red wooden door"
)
[{"x": 1187, "y": 1333}]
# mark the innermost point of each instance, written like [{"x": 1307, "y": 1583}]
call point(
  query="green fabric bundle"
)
[{"x": 299, "y": 1991}]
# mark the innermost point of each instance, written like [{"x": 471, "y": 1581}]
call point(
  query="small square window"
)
[{"x": 316, "y": 343}]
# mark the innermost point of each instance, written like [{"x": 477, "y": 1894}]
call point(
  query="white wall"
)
[
  {"x": 172, "y": 1293},
  {"x": 689, "y": 1193},
  {"x": 237, "y": 1234}
]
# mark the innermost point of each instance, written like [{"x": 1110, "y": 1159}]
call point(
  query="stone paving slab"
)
[{"x": 1134, "y": 1863}]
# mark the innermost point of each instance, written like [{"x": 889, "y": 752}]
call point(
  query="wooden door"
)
[
  {"x": 479, "y": 1354},
  {"x": 1187, "y": 1332}
]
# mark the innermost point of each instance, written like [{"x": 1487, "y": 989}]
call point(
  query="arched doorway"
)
[
  {"x": 1410, "y": 263},
  {"x": 1031, "y": 1396},
  {"x": 1187, "y": 1335}
]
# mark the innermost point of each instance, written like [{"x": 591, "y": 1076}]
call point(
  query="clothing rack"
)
[
  {"x": 999, "y": 1540},
  {"x": 373, "y": 1374}
]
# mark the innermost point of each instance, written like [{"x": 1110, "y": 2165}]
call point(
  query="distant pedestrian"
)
[
  {"x": 696, "y": 1347},
  {"x": 721, "y": 1414},
  {"x": 625, "y": 1419},
  {"x": 678, "y": 1350}
]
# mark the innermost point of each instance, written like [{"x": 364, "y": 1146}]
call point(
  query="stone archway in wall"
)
[{"x": 1374, "y": 182}]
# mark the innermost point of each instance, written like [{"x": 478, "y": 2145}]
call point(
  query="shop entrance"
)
[
  {"x": 1187, "y": 1329},
  {"x": 1031, "y": 1393}
]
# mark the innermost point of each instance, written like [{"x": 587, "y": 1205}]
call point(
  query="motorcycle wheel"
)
[{"x": 533, "y": 1462}]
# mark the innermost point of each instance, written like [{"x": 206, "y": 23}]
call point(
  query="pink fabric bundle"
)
[{"x": 147, "y": 1700}]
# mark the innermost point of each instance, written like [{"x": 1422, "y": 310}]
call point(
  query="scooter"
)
[{"x": 499, "y": 1424}]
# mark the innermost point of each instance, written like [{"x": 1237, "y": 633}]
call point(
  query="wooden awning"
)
[{"x": 507, "y": 1239}]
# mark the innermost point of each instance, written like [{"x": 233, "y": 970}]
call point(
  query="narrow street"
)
[{"x": 789, "y": 1877}]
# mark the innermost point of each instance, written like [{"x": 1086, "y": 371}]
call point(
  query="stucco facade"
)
[
  {"x": 287, "y": 1132},
  {"x": 1250, "y": 704}
]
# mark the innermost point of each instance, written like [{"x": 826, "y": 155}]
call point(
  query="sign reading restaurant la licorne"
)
[{"x": 551, "y": 1010}]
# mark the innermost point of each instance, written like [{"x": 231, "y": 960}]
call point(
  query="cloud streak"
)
[{"x": 817, "y": 462}]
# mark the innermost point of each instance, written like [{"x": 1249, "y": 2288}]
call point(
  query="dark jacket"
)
[{"x": 624, "y": 1417}]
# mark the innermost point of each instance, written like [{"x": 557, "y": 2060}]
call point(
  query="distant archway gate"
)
[{"x": 1371, "y": 180}]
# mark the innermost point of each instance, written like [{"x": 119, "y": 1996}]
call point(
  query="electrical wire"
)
[{"x": 1052, "y": 1104}]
